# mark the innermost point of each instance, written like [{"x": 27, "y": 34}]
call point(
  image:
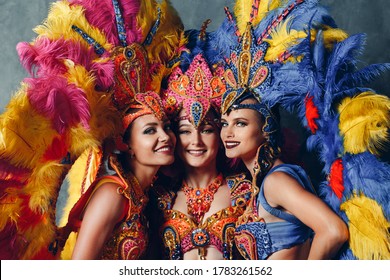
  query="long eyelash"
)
[{"x": 148, "y": 130}]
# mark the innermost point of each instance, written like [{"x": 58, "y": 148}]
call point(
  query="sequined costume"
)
[
  {"x": 129, "y": 238},
  {"x": 292, "y": 55},
  {"x": 182, "y": 233},
  {"x": 274, "y": 236},
  {"x": 94, "y": 67}
]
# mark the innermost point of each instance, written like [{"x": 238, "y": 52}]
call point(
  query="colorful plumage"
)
[
  {"x": 315, "y": 76},
  {"x": 63, "y": 112}
]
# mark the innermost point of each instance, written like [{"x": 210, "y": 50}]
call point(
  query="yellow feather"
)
[
  {"x": 331, "y": 36},
  {"x": 368, "y": 228},
  {"x": 9, "y": 208},
  {"x": 364, "y": 122},
  {"x": 66, "y": 253},
  {"x": 60, "y": 19},
  {"x": 146, "y": 16},
  {"x": 265, "y": 7},
  {"x": 24, "y": 134},
  {"x": 104, "y": 120},
  {"x": 281, "y": 39},
  {"x": 44, "y": 184},
  {"x": 243, "y": 10},
  {"x": 79, "y": 178},
  {"x": 168, "y": 40},
  {"x": 80, "y": 77}
]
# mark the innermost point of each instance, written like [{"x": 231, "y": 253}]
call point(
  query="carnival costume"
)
[
  {"x": 95, "y": 67},
  {"x": 290, "y": 53},
  {"x": 196, "y": 88}
]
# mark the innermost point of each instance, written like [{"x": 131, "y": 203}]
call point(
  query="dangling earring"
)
[{"x": 265, "y": 158}]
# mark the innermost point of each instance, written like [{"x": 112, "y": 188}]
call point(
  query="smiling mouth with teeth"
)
[
  {"x": 163, "y": 149},
  {"x": 196, "y": 153},
  {"x": 230, "y": 145}
]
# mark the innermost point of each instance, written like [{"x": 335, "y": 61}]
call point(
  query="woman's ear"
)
[{"x": 131, "y": 152}]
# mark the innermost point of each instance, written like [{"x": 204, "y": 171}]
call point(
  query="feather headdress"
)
[
  {"x": 80, "y": 62},
  {"x": 310, "y": 69},
  {"x": 195, "y": 86}
]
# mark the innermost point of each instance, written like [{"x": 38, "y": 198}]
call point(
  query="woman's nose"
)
[
  {"x": 196, "y": 138},
  {"x": 163, "y": 137},
  {"x": 227, "y": 132}
]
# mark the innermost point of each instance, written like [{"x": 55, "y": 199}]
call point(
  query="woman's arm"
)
[
  {"x": 102, "y": 213},
  {"x": 331, "y": 232}
]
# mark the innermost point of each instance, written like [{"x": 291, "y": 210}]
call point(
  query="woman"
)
[
  {"x": 200, "y": 211},
  {"x": 283, "y": 210},
  {"x": 109, "y": 217},
  {"x": 113, "y": 217},
  {"x": 287, "y": 207}
]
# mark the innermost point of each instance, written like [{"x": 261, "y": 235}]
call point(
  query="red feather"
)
[
  {"x": 8, "y": 243},
  {"x": 28, "y": 218},
  {"x": 336, "y": 181},
  {"x": 311, "y": 114},
  {"x": 57, "y": 150},
  {"x": 10, "y": 172}
]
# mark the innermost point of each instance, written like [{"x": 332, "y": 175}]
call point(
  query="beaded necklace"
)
[{"x": 199, "y": 199}]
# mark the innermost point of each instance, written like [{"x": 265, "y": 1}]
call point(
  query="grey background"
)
[{"x": 19, "y": 17}]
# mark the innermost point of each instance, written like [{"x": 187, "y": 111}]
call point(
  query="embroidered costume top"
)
[
  {"x": 129, "y": 238},
  {"x": 182, "y": 233},
  {"x": 258, "y": 240}
]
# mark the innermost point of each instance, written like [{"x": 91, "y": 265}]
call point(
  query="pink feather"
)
[
  {"x": 104, "y": 73},
  {"x": 46, "y": 57},
  {"x": 62, "y": 103},
  {"x": 101, "y": 15}
]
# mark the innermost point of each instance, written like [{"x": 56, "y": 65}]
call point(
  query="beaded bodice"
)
[{"x": 182, "y": 233}]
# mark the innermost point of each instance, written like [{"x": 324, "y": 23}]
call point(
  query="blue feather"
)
[
  {"x": 364, "y": 75},
  {"x": 365, "y": 173},
  {"x": 342, "y": 60}
]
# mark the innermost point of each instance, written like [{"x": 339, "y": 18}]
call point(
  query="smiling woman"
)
[
  {"x": 95, "y": 81},
  {"x": 291, "y": 55},
  {"x": 199, "y": 207},
  {"x": 63, "y": 115}
]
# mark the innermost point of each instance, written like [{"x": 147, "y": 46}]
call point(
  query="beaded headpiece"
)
[
  {"x": 197, "y": 90},
  {"x": 310, "y": 69},
  {"x": 87, "y": 56},
  {"x": 133, "y": 93},
  {"x": 247, "y": 75},
  {"x": 262, "y": 46}
]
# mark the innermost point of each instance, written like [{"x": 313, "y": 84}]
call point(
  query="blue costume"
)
[{"x": 272, "y": 237}]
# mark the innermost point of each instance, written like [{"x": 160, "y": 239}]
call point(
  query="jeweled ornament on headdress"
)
[
  {"x": 85, "y": 52},
  {"x": 195, "y": 91},
  {"x": 247, "y": 73},
  {"x": 132, "y": 92},
  {"x": 197, "y": 85}
]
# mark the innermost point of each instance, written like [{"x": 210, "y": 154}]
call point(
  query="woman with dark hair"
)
[
  {"x": 284, "y": 219},
  {"x": 200, "y": 208},
  {"x": 109, "y": 217}
]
